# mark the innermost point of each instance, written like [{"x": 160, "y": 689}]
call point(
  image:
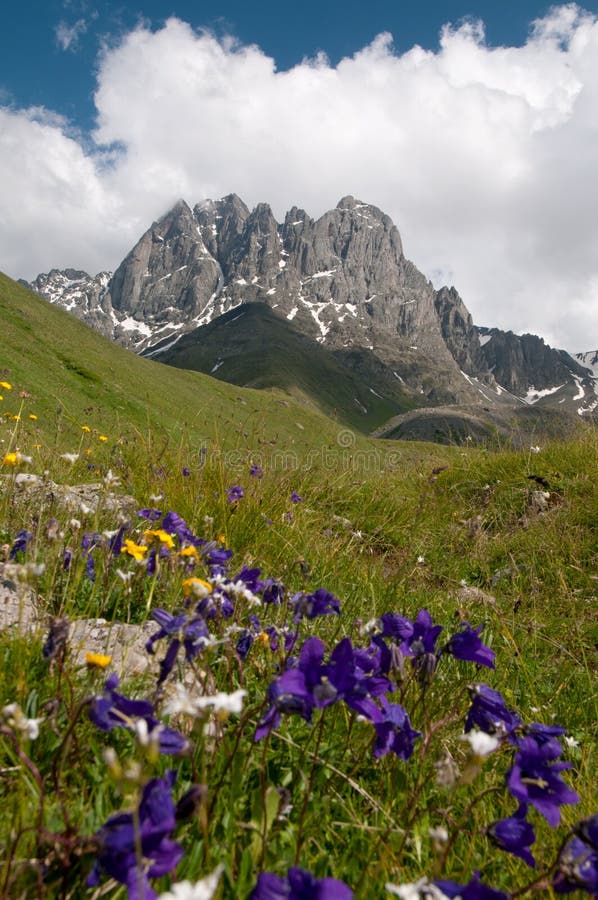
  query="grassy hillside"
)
[
  {"x": 75, "y": 377},
  {"x": 504, "y": 540}
]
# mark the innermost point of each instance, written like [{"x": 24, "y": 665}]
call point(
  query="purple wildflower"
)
[
  {"x": 534, "y": 778},
  {"x": 344, "y": 679},
  {"x": 191, "y": 632},
  {"x": 399, "y": 628},
  {"x": 320, "y": 603},
  {"x": 295, "y": 498},
  {"x": 124, "y": 834},
  {"x": 299, "y": 885},
  {"x": 152, "y": 515},
  {"x": 256, "y": 471},
  {"x": 466, "y": 645},
  {"x": 577, "y": 868},
  {"x": 114, "y": 710},
  {"x": 175, "y": 524},
  {"x": 514, "y": 835},
  {"x": 22, "y": 538},
  {"x": 543, "y": 733},
  {"x": 474, "y": 890},
  {"x": 186, "y": 471},
  {"x": 116, "y": 541},
  {"x": 394, "y": 732},
  {"x": 234, "y": 493},
  {"x": 489, "y": 713},
  {"x": 293, "y": 691},
  {"x": 272, "y": 591}
]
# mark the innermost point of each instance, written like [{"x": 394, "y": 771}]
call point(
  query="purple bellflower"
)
[
  {"x": 320, "y": 603},
  {"x": 152, "y": 515},
  {"x": 534, "y": 778},
  {"x": 121, "y": 837},
  {"x": 466, "y": 645},
  {"x": 299, "y": 885},
  {"x": 22, "y": 539},
  {"x": 489, "y": 713},
  {"x": 394, "y": 733},
  {"x": 234, "y": 493},
  {"x": 114, "y": 710},
  {"x": 577, "y": 868},
  {"x": 474, "y": 890},
  {"x": 514, "y": 835},
  {"x": 190, "y": 632}
]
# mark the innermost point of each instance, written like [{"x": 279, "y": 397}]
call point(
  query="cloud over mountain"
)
[{"x": 484, "y": 157}]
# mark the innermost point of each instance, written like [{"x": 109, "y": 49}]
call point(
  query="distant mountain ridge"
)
[{"x": 342, "y": 280}]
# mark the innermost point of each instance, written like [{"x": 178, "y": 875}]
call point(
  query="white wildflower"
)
[
  {"x": 75, "y": 524},
  {"x": 111, "y": 480},
  {"x": 201, "y": 890},
  {"x": 16, "y": 719},
  {"x": 418, "y": 890},
  {"x": 223, "y": 703},
  {"x": 124, "y": 576},
  {"x": 421, "y": 560},
  {"x": 570, "y": 741},
  {"x": 439, "y": 835},
  {"x": 70, "y": 457},
  {"x": 482, "y": 744},
  {"x": 180, "y": 702}
]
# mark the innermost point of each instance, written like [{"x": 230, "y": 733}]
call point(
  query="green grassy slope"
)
[{"x": 75, "y": 377}]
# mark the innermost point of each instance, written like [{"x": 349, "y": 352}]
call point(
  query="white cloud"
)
[
  {"x": 484, "y": 157},
  {"x": 67, "y": 36}
]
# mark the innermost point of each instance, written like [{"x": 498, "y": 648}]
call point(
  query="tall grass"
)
[{"x": 385, "y": 528}]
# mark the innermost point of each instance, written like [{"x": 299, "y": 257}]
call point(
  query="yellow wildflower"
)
[
  {"x": 102, "y": 437},
  {"x": 161, "y": 536},
  {"x": 97, "y": 659},
  {"x": 137, "y": 551},
  {"x": 222, "y": 538},
  {"x": 196, "y": 587},
  {"x": 85, "y": 428},
  {"x": 262, "y": 638},
  {"x": 190, "y": 552},
  {"x": 6, "y": 385},
  {"x": 15, "y": 458},
  {"x": 33, "y": 417}
]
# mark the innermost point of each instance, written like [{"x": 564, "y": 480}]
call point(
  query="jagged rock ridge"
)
[{"x": 343, "y": 280}]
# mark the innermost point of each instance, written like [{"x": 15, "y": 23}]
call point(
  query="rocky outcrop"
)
[
  {"x": 83, "y": 295},
  {"x": 524, "y": 364}
]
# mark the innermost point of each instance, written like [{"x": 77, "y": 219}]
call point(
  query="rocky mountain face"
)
[{"x": 342, "y": 280}]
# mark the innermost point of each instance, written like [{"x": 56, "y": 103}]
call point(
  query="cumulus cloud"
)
[{"x": 483, "y": 156}]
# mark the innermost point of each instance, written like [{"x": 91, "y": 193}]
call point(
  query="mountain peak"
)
[{"x": 349, "y": 202}]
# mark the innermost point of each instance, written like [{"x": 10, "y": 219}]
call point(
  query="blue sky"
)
[
  {"x": 49, "y": 49},
  {"x": 473, "y": 125}
]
